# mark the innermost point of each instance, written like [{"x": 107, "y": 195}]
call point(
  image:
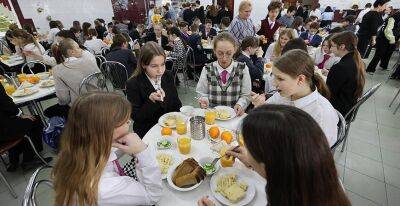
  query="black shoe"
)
[{"x": 12, "y": 167}]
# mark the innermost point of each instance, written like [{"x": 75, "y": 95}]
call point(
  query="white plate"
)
[
  {"x": 186, "y": 110},
  {"x": 250, "y": 193},
  {"x": 168, "y": 138},
  {"x": 49, "y": 83},
  {"x": 221, "y": 129},
  {"x": 229, "y": 109},
  {"x": 162, "y": 118},
  {"x": 171, "y": 183},
  {"x": 176, "y": 158},
  {"x": 21, "y": 93}
]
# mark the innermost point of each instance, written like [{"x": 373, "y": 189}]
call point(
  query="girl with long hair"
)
[
  {"x": 286, "y": 146},
  {"x": 93, "y": 43},
  {"x": 26, "y": 43},
  {"x": 346, "y": 79},
  {"x": 324, "y": 58},
  {"x": 88, "y": 172},
  {"x": 297, "y": 84},
  {"x": 53, "y": 31},
  {"x": 151, "y": 90},
  {"x": 275, "y": 49}
]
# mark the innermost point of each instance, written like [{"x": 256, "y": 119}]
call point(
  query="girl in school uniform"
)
[
  {"x": 94, "y": 44},
  {"x": 151, "y": 90},
  {"x": 225, "y": 81},
  {"x": 275, "y": 49},
  {"x": 324, "y": 59},
  {"x": 299, "y": 86},
  {"x": 88, "y": 171},
  {"x": 26, "y": 43}
]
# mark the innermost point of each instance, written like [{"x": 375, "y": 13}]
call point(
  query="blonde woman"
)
[
  {"x": 88, "y": 172},
  {"x": 275, "y": 49}
]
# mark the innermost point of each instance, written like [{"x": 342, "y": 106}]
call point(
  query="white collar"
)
[
  {"x": 304, "y": 101},
  {"x": 270, "y": 21},
  {"x": 152, "y": 81},
  {"x": 70, "y": 59},
  {"x": 245, "y": 54},
  {"x": 113, "y": 156},
  {"x": 229, "y": 69}
]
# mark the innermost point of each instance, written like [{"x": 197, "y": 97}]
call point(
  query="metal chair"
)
[
  {"x": 31, "y": 64},
  {"x": 394, "y": 66},
  {"x": 184, "y": 69},
  {"x": 94, "y": 82},
  {"x": 395, "y": 96},
  {"x": 341, "y": 132},
  {"x": 191, "y": 62},
  {"x": 116, "y": 73},
  {"x": 100, "y": 59},
  {"x": 104, "y": 51},
  {"x": 351, "y": 115},
  {"x": 31, "y": 188},
  {"x": 6, "y": 146}
]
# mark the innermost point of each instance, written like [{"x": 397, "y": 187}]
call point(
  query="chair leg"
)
[
  {"x": 345, "y": 137},
  {"x": 397, "y": 94},
  {"x": 36, "y": 152},
  {"x": 8, "y": 185}
]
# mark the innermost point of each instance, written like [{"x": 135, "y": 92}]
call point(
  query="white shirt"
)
[
  {"x": 319, "y": 57},
  {"x": 124, "y": 190},
  {"x": 361, "y": 15},
  {"x": 52, "y": 35},
  {"x": 95, "y": 44},
  {"x": 269, "y": 54},
  {"x": 318, "y": 107},
  {"x": 244, "y": 99},
  {"x": 316, "y": 13},
  {"x": 32, "y": 47},
  {"x": 328, "y": 16},
  {"x": 153, "y": 82}
]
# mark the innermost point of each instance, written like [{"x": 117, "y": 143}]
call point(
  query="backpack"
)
[{"x": 52, "y": 133}]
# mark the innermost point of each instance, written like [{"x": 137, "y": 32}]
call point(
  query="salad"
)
[
  {"x": 164, "y": 144},
  {"x": 209, "y": 168}
]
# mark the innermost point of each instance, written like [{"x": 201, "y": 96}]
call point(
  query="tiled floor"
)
[{"x": 369, "y": 167}]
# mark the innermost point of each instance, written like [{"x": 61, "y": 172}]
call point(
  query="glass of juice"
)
[
  {"x": 181, "y": 128},
  {"x": 184, "y": 144},
  {"x": 210, "y": 116},
  {"x": 9, "y": 88}
]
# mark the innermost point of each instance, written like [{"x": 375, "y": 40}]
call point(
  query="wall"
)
[{"x": 66, "y": 11}]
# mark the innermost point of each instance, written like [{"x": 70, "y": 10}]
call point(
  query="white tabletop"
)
[
  {"x": 43, "y": 92},
  {"x": 14, "y": 60},
  {"x": 208, "y": 46},
  {"x": 199, "y": 149}
]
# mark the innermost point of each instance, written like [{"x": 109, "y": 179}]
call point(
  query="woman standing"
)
[{"x": 242, "y": 25}]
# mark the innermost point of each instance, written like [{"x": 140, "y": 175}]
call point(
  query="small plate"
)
[
  {"x": 171, "y": 183},
  {"x": 187, "y": 110},
  {"x": 47, "y": 83},
  {"x": 230, "y": 110},
  {"x": 205, "y": 160},
  {"x": 221, "y": 129},
  {"x": 165, "y": 138},
  {"x": 162, "y": 119},
  {"x": 24, "y": 92}
]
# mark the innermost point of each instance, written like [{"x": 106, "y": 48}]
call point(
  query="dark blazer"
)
[
  {"x": 315, "y": 41},
  {"x": 164, "y": 40},
  {"x": 123, "y": 56},
  {"x": 299, "y": 11},
  {"x": 211, "y": 34},
  {"x": 100, "y": 31},
  {"x": 7, "y": 108},
  {"x": 145, "y": 113},
  {"x": 188, "y": 15},
  {"x": 195, "y": 43},
  {"x": 342, "y": 82},
  {"x": 256, "y": 69}
]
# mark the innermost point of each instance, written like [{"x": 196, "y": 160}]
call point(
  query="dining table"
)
[
  {"x": 202, "y": 149},
  {"x": 12, "y": 60}
]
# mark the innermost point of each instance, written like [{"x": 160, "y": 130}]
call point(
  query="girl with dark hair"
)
[
  {"x": 297, "y": 84},
  {"x": 323, "y": 57},
  {"x": 327, "y": 17},
  {"x": 52, "y": 33},
  {"x": 297, "y": 163},
  {"x": 25, "y": 44},
  {"x": 100, "y": 29},
  {"x": 346, "y": 79},
  {"x": 93, "y": 43},
  {"x": 297, "y": 25},
  {"x": 77, "y": 25},
  {"x": 85, "y": 30},
  {"x": 119, "y": 52},
  {"x": 151, "y": 89},
  {"x": 178, "y": 49},
  {"x": 74, "y": 65}
]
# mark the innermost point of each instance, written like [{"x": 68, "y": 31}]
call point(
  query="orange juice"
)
[
  {"x": 9, "y": 89},
  {"x": 227, "y": 161},
  {"x": 184, "y": 144},
  {"x": 181, "y": 128},
  {"x": 210, "y": 117}
]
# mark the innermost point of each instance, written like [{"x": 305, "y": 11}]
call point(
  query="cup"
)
[
  {"x": 184, "y": 144},
  {"x": 9, "y": 88},
  {"x": 210, "y": 116},
  {"x": 181, "y": 128}
]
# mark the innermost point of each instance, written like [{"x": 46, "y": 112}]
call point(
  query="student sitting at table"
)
[
  {"x": 119, "y": 52},
  {"x": 298, "y": 85},
  {"x": 88, "y": 171},
  {"x": 207, "y": 31},
  {"x": 14, "y": 125},
  {"x": 200, "y": 58},
  {"x": 223, "y": 26},
  {"x": 112, "y": 31},
  {"x": 269, "y": 30},
  {"x": 158, "y": 37},
  {"x": 250, "y": 46},
  {"x": 52, "y": 33},
  {"x": 348, "y": 23},
  {"x": 74, "y": 64},
  {"x": 184, "y": 28},
  {"x": 286, "y": 146},
  {"x": 275, "y": 49},
  {"x": 346, "y": 79},
  {"x": 225, "y": 82},
  {"x": 311, "y": 37},
  {"x": 324, "y": 59},
  {"x": 151, "y": 90},
  {"x": 178, "y": 48},
  {"x": 26, "y": 43},
  {"x": 93, "y": 43}
]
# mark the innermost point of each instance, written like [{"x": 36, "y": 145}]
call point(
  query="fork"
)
[{"x": 216, "y": 159}]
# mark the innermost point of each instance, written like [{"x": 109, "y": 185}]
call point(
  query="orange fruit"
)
[
  {"x": 227, "y": 137},
  {"x": 227, "y": 161},
  {"x": 213, "y": 132},
  {"x": 165, "y": 131}
]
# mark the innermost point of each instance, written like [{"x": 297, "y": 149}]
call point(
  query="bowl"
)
[
  {"x": 165, "y": 139},
  {"x": 187, "y": 110},
  {"x": 205, "y": 160}
]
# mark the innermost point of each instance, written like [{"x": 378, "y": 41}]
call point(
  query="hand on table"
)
[
  {"x": 204, "y": 201},
  {"x": 238, "y": 109},
  {"x": 30, "y": 117},
  {"x": 203, "y": 102},
  {"x": 157, "y": 96},
  {"x": 130, "y": 144},
  {"x": 257, "y": 99}
]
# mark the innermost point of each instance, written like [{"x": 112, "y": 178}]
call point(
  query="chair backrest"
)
[
  {"x": 104, "y": 51},
  {"x": 93, "y": 82},
  {"x": 351, "y": 115},
  {"x": 341, "y": 131},
  {"x": 100, "y": 59},
  {"x": 31, "y": 64},
  {"x": 189, "y": 60},
  {"x": 30, "y": 191},
  {"x": 116, "y": 73}
]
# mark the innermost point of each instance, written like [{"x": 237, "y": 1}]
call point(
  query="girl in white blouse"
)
[
  {"x": 324, "y": 59},
  {"x": 88, "y": 171},
  {"x": 94, "y": 44},
  {"x": 53, "y": 31},
  {"x": 25, "y": 43},
  {"x": 275, "y": 49},
  {"x": 299, "y": 86}
]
